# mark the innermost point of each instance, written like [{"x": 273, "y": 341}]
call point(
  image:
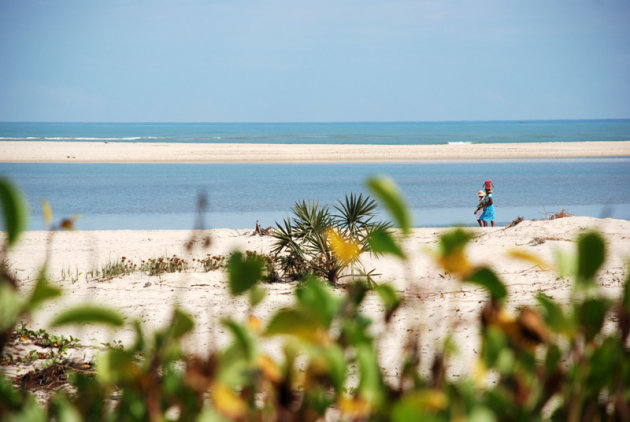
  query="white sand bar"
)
[{"x": 116, "y": 152}]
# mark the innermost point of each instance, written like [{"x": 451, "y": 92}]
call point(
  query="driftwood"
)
[
  {"x": 515, "y": 222},
  {"x": 563, "y": 213},
  {"x": 262, "y": 232}
]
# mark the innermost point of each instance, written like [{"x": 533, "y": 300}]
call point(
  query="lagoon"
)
[{"x": 165, "y": 196}]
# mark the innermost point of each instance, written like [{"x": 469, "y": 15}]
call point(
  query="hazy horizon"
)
[{"x": 316, "y": 122}]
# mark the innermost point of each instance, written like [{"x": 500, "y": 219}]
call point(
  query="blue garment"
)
[{"x": 488, "y": 212}]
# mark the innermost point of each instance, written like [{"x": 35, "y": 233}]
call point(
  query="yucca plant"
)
[{"x": 305, "y": 242}]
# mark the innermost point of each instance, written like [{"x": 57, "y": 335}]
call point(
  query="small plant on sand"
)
[
  {"x": 113, "y": 345},
  {"x": 43, "y": 338},
  {"x": 161, "y": 265},
  {"x": 560, "y": 214},
  {"x": 68, "y": 274},
  {"x": 51, "y": 349},
  {"x": 210, "y": 262},
  {"x": 270, "y": 274},
  {"x": 304, "y": 243},
  {"x": 113, "y": 269}
]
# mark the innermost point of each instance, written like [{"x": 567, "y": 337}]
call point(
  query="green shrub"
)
[{"x": 305, "y": 242}]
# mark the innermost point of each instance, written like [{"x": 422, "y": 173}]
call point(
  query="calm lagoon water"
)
[{"x": 164, "y": 196}]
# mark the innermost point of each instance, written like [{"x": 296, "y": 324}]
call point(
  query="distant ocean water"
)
[
  {"x": 164, "y": 196},
  {"x": 398, "y": 133}
]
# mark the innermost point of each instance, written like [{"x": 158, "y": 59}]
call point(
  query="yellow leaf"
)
[
  {"x": 456, "y": 262},
  {"x": 504, "y": 317},
  {"x": 429, "y": 400},
  {"x": 354, "y": 408},
  {"x": 529, "y": 257},
  {"x": 227, "y": 402},
  {"x": 479, "y": 372},
  {"x": 435, "y": 400},
  {"x": 507, "y": 323},
  {"x": 269, "y": 368},
  {"x": 346, "y": 250},
  {"x": 47, "y": 210},
  {"x": 525, "y": 332},
  {"x": 254, "y": 324},
  {"x": 532, "y": 326}
]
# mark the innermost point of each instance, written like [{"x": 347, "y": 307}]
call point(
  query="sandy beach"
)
[
  {"x": 435, "y": 302},
  {"x": 128, "y": 152}
]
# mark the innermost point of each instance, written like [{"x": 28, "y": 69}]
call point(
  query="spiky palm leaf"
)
[
  {"x": 369, "y": 277},
  {"x": 310, "y": 217},
  {"x": 311, "y": 222},
  {"x": 355, "y": 217},
  {"x": 354, "y": 213},
  {"x": 288, "y": 250},
  {"x": 292, "y": 266},
  {"x": 286, "y": 237}
]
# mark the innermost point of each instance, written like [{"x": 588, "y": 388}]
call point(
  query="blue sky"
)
[{"x": 321, "y": 60}]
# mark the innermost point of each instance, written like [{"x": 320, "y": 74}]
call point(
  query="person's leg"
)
[
  {"x": 479, "y": 221},
  {"x": 492, "y": 222},
  {"x": 485, "y": 223}
]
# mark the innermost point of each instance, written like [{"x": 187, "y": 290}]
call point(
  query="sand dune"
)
[{"x": 435, "y": 302}]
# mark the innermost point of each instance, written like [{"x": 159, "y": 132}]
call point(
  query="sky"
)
[{"x": 312, "y": 61}]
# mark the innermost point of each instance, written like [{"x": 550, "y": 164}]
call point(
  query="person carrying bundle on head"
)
[{"x": 488, "y": 205}]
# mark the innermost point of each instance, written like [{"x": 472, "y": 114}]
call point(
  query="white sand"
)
[
  {"x": 435, "y": 302},
  {"x": 91, "y": 152}
]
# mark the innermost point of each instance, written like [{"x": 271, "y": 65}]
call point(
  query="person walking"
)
[
  {"x": 482, "y": 195},
  {"x": 488, "y": 206}
]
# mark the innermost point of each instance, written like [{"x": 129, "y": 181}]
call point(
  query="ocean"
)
[
  {"x": 397, "y": 133},
  {"x": 164, "y": 196}
]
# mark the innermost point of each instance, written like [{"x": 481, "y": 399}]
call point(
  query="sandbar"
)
[{"x": 133, "y": 152}]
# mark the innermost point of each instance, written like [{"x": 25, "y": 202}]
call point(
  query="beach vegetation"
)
[
  {"x": 14, "y": 210},
  {"x": 560, "y": 214},
  {"x": 113, "y": 269},
  {"x": 68, "y": 274},
  {"x": 323, "y": 242},
  {"x": 161, "y": 265},
  {"x": 270, "y": 273},
  {"x": 210, "y": 262},
  {"x": 50, "y": 348},
  {"x": 164, "y": 264},
  {"x": 43, "y": 338},
  {"x": 551, "y": 361}
]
